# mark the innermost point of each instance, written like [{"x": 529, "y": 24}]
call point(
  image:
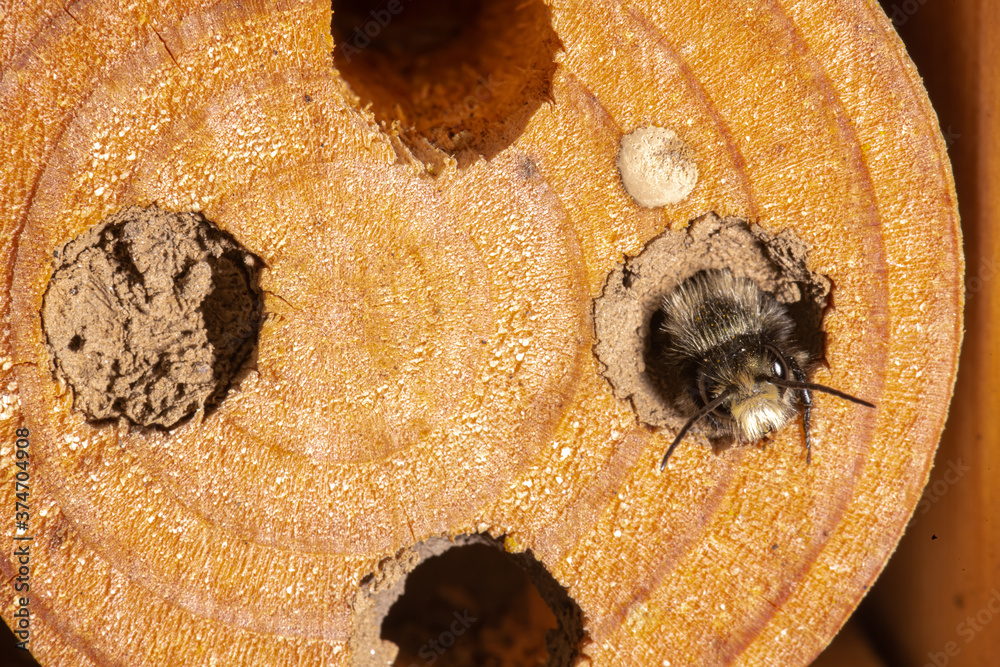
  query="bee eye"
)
[{"x": 779, "y": 368}]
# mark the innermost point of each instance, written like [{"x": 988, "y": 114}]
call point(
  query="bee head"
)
[
  {"x": 734, "y": 347},
  {"x": 749, "y": 375}
]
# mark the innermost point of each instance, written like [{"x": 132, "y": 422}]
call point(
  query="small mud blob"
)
[
  {"x": 150, "y": 314},
  {"x": 656, "y": 167}
]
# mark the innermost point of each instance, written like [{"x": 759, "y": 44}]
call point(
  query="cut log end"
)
[{"x": 435, "y": 216}]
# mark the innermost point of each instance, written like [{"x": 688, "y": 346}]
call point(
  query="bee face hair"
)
[{"x": 733, "y": 344}]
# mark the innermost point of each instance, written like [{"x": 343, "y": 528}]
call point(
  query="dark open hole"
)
[
  {"x": 14, "y": 648},
  {"x": 469, "y": 606},
  {"x": 464, "y": 602},
  {"x": 462, "y": 75}
]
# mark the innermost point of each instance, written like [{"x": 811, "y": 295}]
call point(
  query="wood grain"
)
[{"x": 426, "y": 367}]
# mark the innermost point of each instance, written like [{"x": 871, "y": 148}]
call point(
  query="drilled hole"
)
[
  {"x": 464, "y": 76},
  {"x": 629, "y": 318},
  {"x": 466, "y": 603}
]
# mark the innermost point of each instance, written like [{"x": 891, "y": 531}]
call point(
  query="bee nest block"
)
[
  {"x": 436, "y": 192},
  {"x": 149, "y": 315}
]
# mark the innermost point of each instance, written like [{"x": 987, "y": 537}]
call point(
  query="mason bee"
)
[{"x": 732, "y": 346}]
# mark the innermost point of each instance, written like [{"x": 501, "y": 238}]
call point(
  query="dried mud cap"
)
[{"x": 150, "y": 314}]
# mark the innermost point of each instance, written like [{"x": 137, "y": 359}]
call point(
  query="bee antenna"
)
[
  {"x": 795, "y": 384},
  {"x": 715, "y": 402}
]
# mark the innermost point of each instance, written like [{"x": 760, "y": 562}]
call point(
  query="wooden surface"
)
[
  {"x": 426, "y": 367},
  {"x": 939, "y": 599}
]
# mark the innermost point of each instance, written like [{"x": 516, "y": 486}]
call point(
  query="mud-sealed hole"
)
[
  {"x": 461, "y": 76},
  {"x": 149, "y": 315},
  {"x": 628, "y": 319},
  {"x": 464, "y": 602}
]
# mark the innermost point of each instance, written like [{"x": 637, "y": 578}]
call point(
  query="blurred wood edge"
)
[
  {"x": 930, "y": 604},
  {"x": 850, "y": 648}
]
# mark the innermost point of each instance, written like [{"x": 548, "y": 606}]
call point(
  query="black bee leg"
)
[
  {"x": 806, "y": 407},
  {"x": 806, "y": 402}
]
